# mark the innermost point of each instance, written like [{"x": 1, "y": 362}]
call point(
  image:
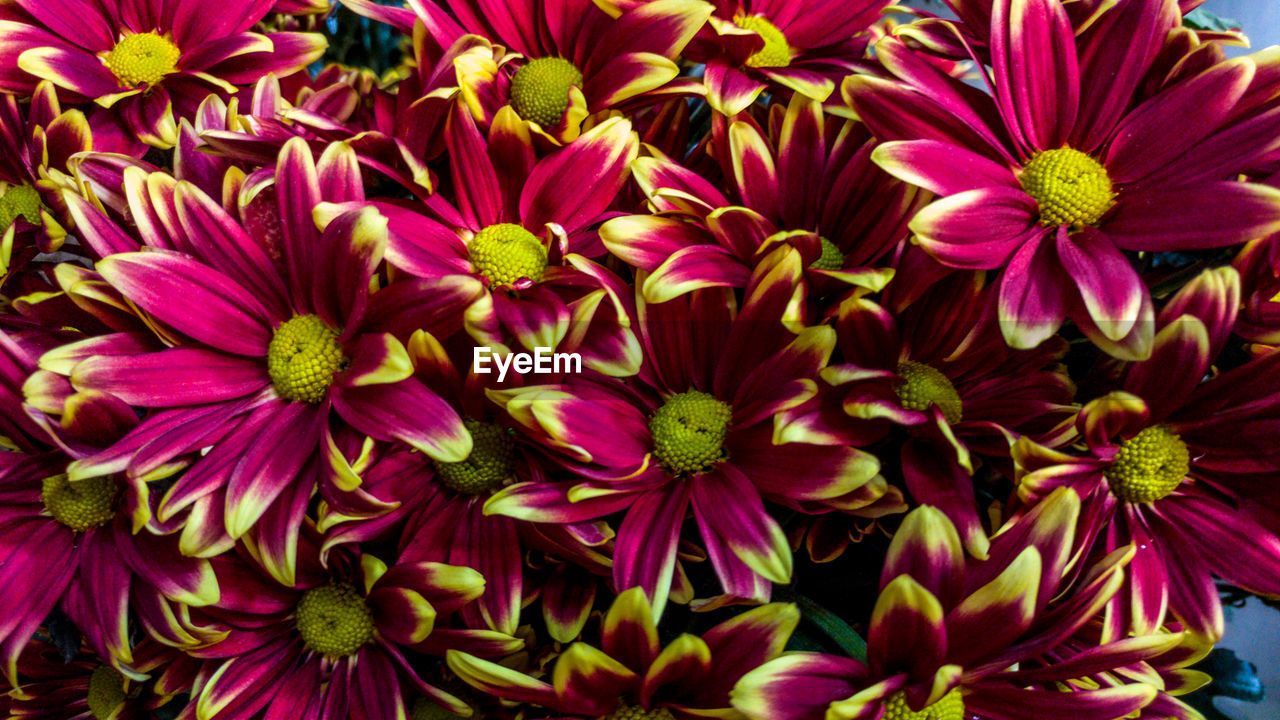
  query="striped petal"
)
[
  {"x": 730, "y": 506},
  {"x": 940, "y": 167},
  {"x": 73, "y": 69},
  {"x": 494, "y": 679},
  {"x": 927, "y": 548},
  {"x": 1034, "y": 64},
  {"x": 629, "y": 633},
  {"x": 1033, "y": 295},
  {"x": 210, "y": 307},
  {"x": 907, "y": 632},
  {"x": 686, "y": 662},
  {"x": 172, "y": 378},
  {"x": 598, "y": 161},
  {"x": 995, "y": 614},
  {"x": 976, "y": 229},
  {"x": 409, "y": 412},
  {"x": 271, "y": 464},
  {"x": 798, "y": 686},
  {"x": 590, "y": 681},
  {"x": 753, "y": 169},
  {"x": 645, "y": 552}
]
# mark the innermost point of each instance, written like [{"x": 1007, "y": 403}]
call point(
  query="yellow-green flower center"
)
[
  {"x": 540, "y": 90},
  {"x": 334, "y": 620},
  {"x": 488, "y": 467},
  {"x": 302, "y": 359},
  {"x": 635, "y": 712},
  {"x": 830, "y": 259},
  {"x": 142, "y": 59},
  {"x": 1070, "y": 187},
  {"x": 80, "y": 505},
  {"x": 688, "y": 432},
  {"x": 506, "y": 252},
  {"x": 106, "y": 691},
  {"x": 949, "y": 707},
  {"x": 776, "y": 52},
  {"x": 1148, "y": 466},
  {"x": 20, "y": 201},
  {"x": 923, "y": 385}
]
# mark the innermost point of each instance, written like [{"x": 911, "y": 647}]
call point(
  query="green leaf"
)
[
  {"x": 1201, "y": 19},
  {"x": 833, "y": 627}
]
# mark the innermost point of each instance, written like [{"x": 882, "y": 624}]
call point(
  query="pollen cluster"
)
[
  {"x": 830, "y": 259},
  {"x": 488, "y": 467},
  {"x": 1070, "y": 187},
  {"x": 19, "y": 201},
  {"x": 776, "y": 52},
  {"x": 923, "y": 385},
  {"x": 302, "y": 359},
  {"x": 106, "y": 692},
  {"x": 635, "y": 712},
  {"x": 689, "y": 431},
  {"x": 142, "y": 59},
  {"x": 80, "y": 505},
  {"x": 506, "y": 252},
  {"x": 1148, "y": 466},
  {"x": 334, "y": 620},
  {"x": 540, "y": 90},
  {"x": 949, "y": 707}
]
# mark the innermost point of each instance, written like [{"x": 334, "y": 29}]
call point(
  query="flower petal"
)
[
  {"x": 192, "y": 298},
  {"x": 172, "y": 378},
  {"x": 409, "y": 412}
]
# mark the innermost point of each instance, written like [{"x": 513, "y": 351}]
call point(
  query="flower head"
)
[
  {"x": 1059, "y": 173},
  {"x": 630, "y": 676},
  {"x": 157, "y": 61}
]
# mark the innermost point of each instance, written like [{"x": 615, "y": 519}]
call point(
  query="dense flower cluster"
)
[{"x": 619, "y": 360}]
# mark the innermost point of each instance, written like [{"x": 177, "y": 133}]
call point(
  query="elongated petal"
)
[
  {"x": 193, "y": 298},
  {"x": 727, "y": 502},
  {"x": 976, "y": 229},
  {"x": 927, "y": 548},
  {"x": 754, "y": 171},
  {"x": 629, "y": 75},
  {"x": 71, "y": 68},
  {"x": 351, "y": 248},
  {"x": 645, "y": 554},
  {"x": 996, "y": 613},
  {"x": 1202, "y": 102},
  {"x": 1204, "y": 215},
  {"x": 1108, "y": 284},
  {"x": 497, "y": 680},
  {"x": 172, "y": 378},
  {"x": 693, "y": 268},
  {"x": 271, "y": 464},
  {"x": 907, "y": 632},
  {"x": 1032, "y": 296},
  {"x": 646, "y": 241},
  {"x": 590, "y": 681},
  {"x": 80, "y": 22},
  {"x": 1006, "y": 703},
  {"x": 1036, "y": 71},
  {"x": 409, "y": 412},
  {"x": 798, "y": 686},
  {"x": 936, "y": 476},
  {"x": 598, "y": 160},
  {"x": 630, "y": 634},
  {"x": 941, "y": 167}
]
